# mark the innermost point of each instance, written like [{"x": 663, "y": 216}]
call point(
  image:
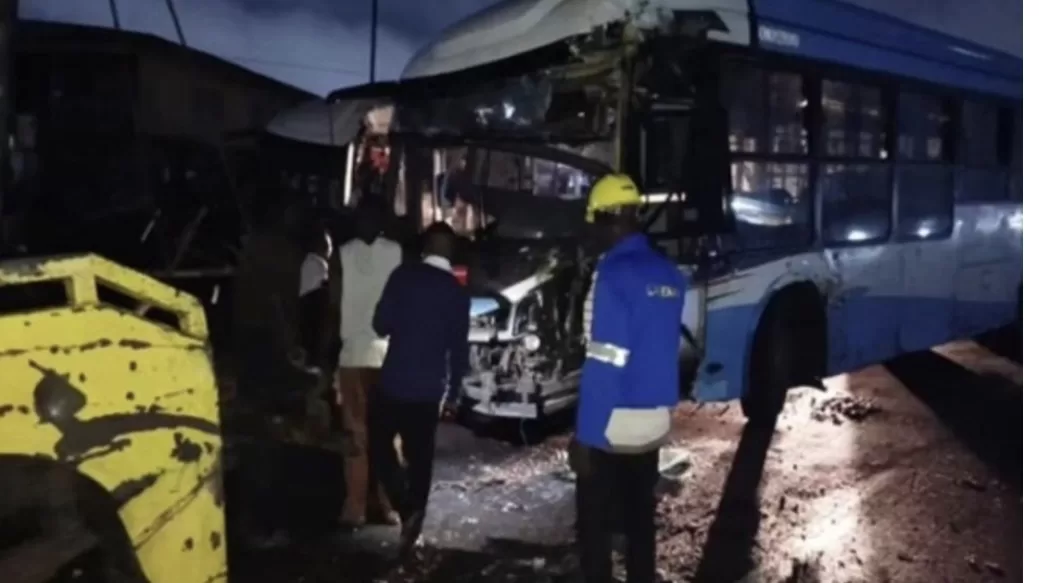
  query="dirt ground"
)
[{"x": 905, "y": 472}]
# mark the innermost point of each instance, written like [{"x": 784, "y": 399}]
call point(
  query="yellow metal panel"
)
[
  {"x": 77, "y": 270},
  {"x": 130, "y": 403}
]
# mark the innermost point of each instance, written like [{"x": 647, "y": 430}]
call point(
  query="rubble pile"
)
[{"x": 839, "y": 409}]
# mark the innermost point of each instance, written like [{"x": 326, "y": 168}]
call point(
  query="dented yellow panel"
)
[{"x": 129, "y": 402}]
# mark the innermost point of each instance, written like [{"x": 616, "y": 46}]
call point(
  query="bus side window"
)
[
  {"x": 770, "y": 202},
  {"x": 855, "y": 192},
  {"x": 666, "y": 139},
  {"x": 981, "y": 176},
  {"x": 923, "y": 181}
]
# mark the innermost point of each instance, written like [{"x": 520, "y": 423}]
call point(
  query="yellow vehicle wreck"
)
[{"x": 110, "y": 444}]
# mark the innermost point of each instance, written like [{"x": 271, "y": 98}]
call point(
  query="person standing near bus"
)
[
  {"x": 424, "y": 311},
  {"x": 365, "y": 263},
  {"x": 629, "y": 384}
]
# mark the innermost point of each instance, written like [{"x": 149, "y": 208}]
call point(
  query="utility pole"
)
[
  {"x": 176, "y": 22},
  {"x": 372, "y": 40},
  {"x": 115, "y": 14}
]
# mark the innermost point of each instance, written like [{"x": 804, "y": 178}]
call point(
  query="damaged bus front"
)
[{"x": 501, "y": 127}]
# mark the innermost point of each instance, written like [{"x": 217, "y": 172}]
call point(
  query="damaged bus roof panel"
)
[
  {"x": 515, "y": 27},
  {"x": 331, "y": 123}
]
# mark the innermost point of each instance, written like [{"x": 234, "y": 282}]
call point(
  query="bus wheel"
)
[{"x": 789, "y": 349}]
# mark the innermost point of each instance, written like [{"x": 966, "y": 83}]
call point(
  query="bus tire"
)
[{"x": 789, "y": 349}]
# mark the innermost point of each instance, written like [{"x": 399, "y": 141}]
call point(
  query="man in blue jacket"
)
[
  {"x": 425, "y": 312},
  {"x": 629, "y": 384}
]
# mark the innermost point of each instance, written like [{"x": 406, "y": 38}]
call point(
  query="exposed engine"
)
[{"x": 521, "y": 352}]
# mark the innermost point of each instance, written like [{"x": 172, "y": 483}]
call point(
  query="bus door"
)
[{"x": 682, "y": 165}]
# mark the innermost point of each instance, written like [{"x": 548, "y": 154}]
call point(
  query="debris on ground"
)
[
  {"x": 972, "y": 484},
  {"x": 802, "y": 571},
  {"x": 995, "y": 569},
  {"x": 837, "y": 409},
  {"x": 836, "y": 501},
  {"x": 675, "y": 466}
]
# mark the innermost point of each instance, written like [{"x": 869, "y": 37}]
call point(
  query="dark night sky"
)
[{"x": 321, "y": 45}]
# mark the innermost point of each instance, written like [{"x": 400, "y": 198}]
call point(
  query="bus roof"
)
[
  {"x": 515, "y": 27},
  {"x": 839, "y": 31},
  {"x": 849, "y": 34}
]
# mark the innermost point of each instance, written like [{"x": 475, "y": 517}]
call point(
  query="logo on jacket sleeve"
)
[{"x": 663, "y": 292}]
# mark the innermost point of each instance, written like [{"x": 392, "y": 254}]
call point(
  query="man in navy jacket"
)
[
  {"x": 629, "y": 384},
  {"x": 425, "y": 312}
]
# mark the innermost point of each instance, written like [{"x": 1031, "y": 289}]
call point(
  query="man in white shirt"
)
[{"x": 366, "y": 262}]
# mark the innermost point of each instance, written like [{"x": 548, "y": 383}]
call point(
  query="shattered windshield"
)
[
  {"x": 508, "y": 194},
  {"x": 549, "y": 105},
  {"x": 537, "y": 140}
]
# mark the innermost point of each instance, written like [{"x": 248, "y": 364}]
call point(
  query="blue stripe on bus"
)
[
  {"x": 863, "y": 331},
  {"x": 850, "y": 35}
]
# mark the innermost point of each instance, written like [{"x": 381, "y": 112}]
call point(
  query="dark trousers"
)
[
  {"x": 612, "y": 483},
  {"x": 416, "y": 424}
]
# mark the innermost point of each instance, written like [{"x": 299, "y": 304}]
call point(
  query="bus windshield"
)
[
  {"x": 558, "y": 104},
  {"x": 511, "y": 195}
]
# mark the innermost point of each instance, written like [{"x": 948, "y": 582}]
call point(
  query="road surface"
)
[{"x": 905, "y": 472}]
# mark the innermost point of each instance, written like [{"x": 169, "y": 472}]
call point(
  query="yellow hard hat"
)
[{"x": 611, "y": 192}]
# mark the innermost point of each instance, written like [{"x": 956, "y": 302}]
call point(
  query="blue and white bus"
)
[{"x": 842, "y": 186}]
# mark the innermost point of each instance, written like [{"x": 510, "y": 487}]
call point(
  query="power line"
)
[
  {"x": 372, "y": 40},
  {"x": 176, "y": 22},
  {"x": 115, "y": 15}
]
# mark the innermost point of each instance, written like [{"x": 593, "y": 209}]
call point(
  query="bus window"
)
[
  {"x": 519, "y": 195},
  {"x": 924, "y": 186},
  {"x": 766, "y": 110},
  {"x": 741, "y": 89},
  {"x": 853, "y": 121},
  {"x": 452, "y": 189},
  {"x": 856, "y": 203},
  {"x": 978, "y": 138},
  {"x": 787, "y": 102},
  {"x": 856, "y": 194},
  {"x": 666, "y": 139},
  {"x": 924, "y": 201},
  {"x": 506, "y": 170},
  {"x": 981, "y": 177},
  {"x": 921, "y": 128},
  {"x": 771, "y": 203}
]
